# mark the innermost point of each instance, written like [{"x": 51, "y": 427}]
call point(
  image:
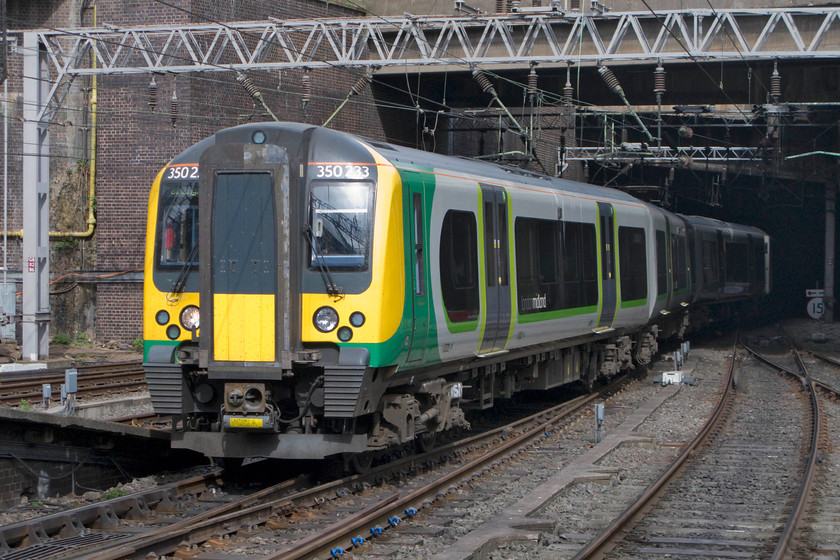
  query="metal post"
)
[
  {"x": 599, "y": 420},
  {"x": 36, "y": 201},
  {"x": 830, "y": 197}
]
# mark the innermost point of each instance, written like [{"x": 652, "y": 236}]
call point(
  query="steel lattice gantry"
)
[
  {"x": 546, "y": 35},
  {"x": 534, "y": 35}
]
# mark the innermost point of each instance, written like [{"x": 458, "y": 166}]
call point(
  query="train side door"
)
[
  {"x": 497, "y": 267},
  {"x": 669, "y": 254},
  {"x": 606, "y": 223},
  {"x": 417, "y": 255}
]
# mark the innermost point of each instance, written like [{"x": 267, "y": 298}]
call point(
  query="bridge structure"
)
[{"x": 545, "y": 36}]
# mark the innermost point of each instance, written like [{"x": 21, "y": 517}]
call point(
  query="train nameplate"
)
[{"x": 246, "y": 423}]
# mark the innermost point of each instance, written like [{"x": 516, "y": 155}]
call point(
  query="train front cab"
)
[
  {"x": 302, "y": 294},
  {"x": 170, "y": 287}
]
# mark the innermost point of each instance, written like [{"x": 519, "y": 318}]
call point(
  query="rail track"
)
[
  {"x": 820, "y": 533},
  {"x": 93, "y": 380},
  {"x": 170, "y": 521},
  {"x": 739, "y": 489},
  {"x": 732, "y": 492}
]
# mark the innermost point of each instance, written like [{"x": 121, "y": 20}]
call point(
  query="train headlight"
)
[
  {"x": 325, "y": 319},
  {"x": 190, "y": 317}
]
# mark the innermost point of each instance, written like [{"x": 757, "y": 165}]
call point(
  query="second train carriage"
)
[{"x": 355, "y": 294}]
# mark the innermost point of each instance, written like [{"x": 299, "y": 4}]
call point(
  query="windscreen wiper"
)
[
  {"x": 186, "y": 268},
  {"x": 333, "y": 289}
]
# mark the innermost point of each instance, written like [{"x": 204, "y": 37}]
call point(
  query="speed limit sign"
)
[{"x": 816, "y": 308}]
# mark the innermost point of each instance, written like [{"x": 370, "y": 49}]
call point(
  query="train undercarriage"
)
[{"x": 315, "y": 411}]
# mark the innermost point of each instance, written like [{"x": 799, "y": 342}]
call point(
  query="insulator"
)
[
  {"x": 247, "y": 83},
  {"x": 153, "y": 91},
  {"x": 536, "y": 3},
  {"x": 514, "y": 6},
  {"x": 173, "y": 108},
  {"x": 659, "y": 80},
  {"x": 360, "y": 85},
  {"x": 574, "y": 5},
  {"x": 481, "y": 78},
  {"x": 610, "y": 79},
  {"x": 532, "y": 81},
  {"x": 500, "y": 6},
  {"x": 306, "y": 88},
  {"x": 568, "y": 91},
  {"x": 775, "y": 84}
]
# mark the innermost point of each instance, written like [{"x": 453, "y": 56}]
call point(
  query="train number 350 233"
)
[{"x": 346, "y": 171}]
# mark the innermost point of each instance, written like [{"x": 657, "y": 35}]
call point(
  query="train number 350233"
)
[{"x": 346, "y": 171}]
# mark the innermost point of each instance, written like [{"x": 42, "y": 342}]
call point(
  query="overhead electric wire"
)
[
  {"x": 738, "y": 50},
  {"x": 192, "y": 76},
  {"x": 452, "y": 110},
  {"x": 694, "y": 59},
  {"x": 291, "y": 48}
]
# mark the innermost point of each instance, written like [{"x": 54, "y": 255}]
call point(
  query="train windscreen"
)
[
  {"x": 179, "y": 225},
  {"x": 341, "y": 217}
]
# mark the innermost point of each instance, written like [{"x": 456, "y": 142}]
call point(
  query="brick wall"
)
[{"x": 134, "y": 141}]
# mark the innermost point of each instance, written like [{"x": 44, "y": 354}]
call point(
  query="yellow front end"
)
[
  {"x": 383, "y": 302},
  {"x": 235, "y": 314},
  {"x": 162, "y": 308}
]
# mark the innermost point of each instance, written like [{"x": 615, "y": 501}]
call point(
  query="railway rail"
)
[
  {"x": 163, "y": 529},
  {"x": 729, "y": 491},
  {"x": 820, "y": 535},
  {"x": 93, "y": 380},
  {"x": 358, "y": 515}
]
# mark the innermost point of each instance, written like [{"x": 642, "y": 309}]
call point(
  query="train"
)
[{"x": 310, "y": 293}]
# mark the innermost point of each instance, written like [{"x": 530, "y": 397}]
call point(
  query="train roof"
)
[
  {"x": 332, "y": 142},
  {"x": 414, "y": 157},
  {"x": 715, "y": 223}
]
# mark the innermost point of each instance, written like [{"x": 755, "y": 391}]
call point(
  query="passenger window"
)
[
  {"x": 556, "y": 265},
  {"x": 758, "y": 263},
  {"x": 711, "y": 274},
  {"x": 632, "y": 255},
  {"x": 737, "y": 264},
  {"x": 417, "y": 239},
  {"x": 459, "y": 266}
]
